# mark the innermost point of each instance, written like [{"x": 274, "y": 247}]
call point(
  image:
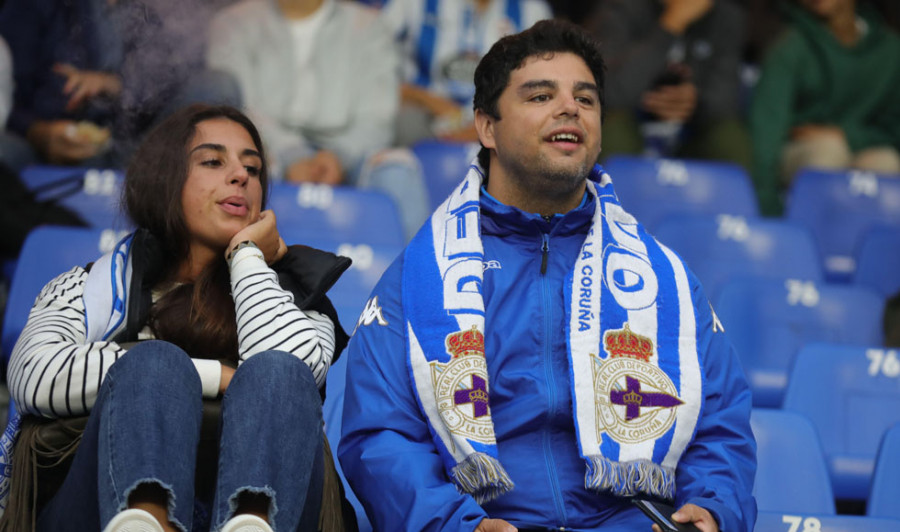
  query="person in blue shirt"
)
[
  {"x": 535, "y": 360},
  {"x": 440, "y": 43}
]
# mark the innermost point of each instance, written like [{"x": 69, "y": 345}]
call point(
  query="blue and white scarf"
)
[
  {"x": 106, "y": 306},
  {"x": 635, "y": 374}
]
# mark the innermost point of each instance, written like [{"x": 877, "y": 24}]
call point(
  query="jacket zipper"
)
[
  {"x": 545, "y": 248},
  {"x": 548, "y": 372}
]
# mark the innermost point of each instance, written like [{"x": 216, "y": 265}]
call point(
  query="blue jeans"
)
[{"x": 145, "y": 428}]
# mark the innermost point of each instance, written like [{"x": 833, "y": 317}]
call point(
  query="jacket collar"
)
[{"x": 499, "y": 219}]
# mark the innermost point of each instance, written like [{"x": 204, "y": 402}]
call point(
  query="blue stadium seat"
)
[
  {"x": 791, "y": 474},
  {"x": 768, "y": 320},
  {"x": 720, "y": 247},
  {"x": 852, "y": 396},
  {"x": 878, "y": 259},
  {"x": 44, "y": 179},
  {"x": 49, "y": 251},
  {"x": 351, "y": 292},
  {"x": 343, "y": 214},
  {"x": 884, "y": 499},
  {"x": 838, "y": 206},
  {"x": 93, "y": 194},
  {"x": 797, "y": 522},
  {"x": 444, "y": 165},
  {"x": 652, "y": 189}
]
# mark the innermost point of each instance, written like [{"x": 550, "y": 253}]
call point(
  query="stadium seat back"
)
[
  {"x": 444, "y": 165},
  {"x": 343, "y": 214},
  {"x": 652, "y": 189},
  {"x": 768, "y": 320},
  {"x": 791, "y": 473},
  {"x": 718, "y": 248},
  {"x": 352, "y": 291},
  {"x": 884, "y": 499},
  {"x": 839, "y": 206},
  {"x": 797, "y": 522},
  {"x": 852, "y": 395},
  {"x": 49, "y": 251},
  {"x": 93, "y": 194},
  {"x": 878, "y": 259}
]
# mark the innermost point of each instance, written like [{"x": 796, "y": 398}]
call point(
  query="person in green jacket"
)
[{"x": 828, "y": 97}]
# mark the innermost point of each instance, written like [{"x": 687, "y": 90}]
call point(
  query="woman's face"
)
[{"x": 222, "y": 193}]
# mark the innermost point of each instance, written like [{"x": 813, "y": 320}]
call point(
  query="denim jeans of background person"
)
[{"x": 145, "y": 428}]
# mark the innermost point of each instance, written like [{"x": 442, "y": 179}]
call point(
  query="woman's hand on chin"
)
[{"x": 264, "y": 233}]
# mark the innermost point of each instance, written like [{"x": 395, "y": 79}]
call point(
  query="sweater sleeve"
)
[
  {"x": 880, "y": 130},
  {"x": 268, "y": 319},
  {"x": 771, "y": 116},
  {"x": 231, "y": 49},
  {"x": 378, "y": 96},
  {"x": 53, "y": 371}
]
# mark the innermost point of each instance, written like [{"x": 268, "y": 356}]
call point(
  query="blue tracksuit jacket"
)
[{"x": 387, "y": 451}]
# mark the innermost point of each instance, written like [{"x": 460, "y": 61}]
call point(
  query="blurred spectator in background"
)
[
  {"x": 890, "y": 10},
  {"x": 827, "y": 97},
  {"x": 19, "y": 211},
  {"x": 674, "y": 71},
  {"x": 574, "y": 11},
  {"x": 92, "y": 75},
  {"x": 320, "y": 79},
  {"x": 891, "y": 321},
  {"x": 6, "y": 83},
  {"x": 765, "y": 22},
  {"x": 441, "y": 42}
]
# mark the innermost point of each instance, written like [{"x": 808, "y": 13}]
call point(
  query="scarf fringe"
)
[
  {"x": 629, "y": 478},
  {"x": 482, "y": 477}
]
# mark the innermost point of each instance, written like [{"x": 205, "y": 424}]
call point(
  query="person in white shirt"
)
[{"x": 320, "y": 79}]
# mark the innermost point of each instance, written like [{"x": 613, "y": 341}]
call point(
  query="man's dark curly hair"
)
[{"x": 509, "y": 53}]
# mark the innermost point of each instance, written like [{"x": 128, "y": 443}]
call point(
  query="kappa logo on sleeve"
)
[
  {"x": 371, "y": 313},
  {"x": 717, "y": 325}
]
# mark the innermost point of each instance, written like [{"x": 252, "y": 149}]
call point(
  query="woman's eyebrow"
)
[{"x": 221, "y": 149}]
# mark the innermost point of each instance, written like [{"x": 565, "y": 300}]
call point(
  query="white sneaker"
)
[
  {"x": 133, "y": 520},
  {"x": 246, "y": 523}
]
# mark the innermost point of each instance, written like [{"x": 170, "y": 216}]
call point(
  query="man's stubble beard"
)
[{"x": 553, "y": 181}]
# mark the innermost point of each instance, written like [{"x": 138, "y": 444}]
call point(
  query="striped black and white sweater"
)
[{"x": 55, "y": 372}]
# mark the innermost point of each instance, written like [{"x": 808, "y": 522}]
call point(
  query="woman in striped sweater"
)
[{"x": 203, "y": 304}]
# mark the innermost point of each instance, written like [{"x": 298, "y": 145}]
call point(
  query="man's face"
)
[{"x": 548, "y": 136}]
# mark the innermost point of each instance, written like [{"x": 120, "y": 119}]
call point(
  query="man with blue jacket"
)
[{"x": 534, "y": 360}]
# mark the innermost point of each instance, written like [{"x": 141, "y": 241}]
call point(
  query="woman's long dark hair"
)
[{"x": 197, "y": 317}]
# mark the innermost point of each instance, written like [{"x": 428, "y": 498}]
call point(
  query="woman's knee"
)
[
  {"x": 154, "y": 362},
  {"x": 276, "y": 367},
  {"x": 275, "y": 370}
]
